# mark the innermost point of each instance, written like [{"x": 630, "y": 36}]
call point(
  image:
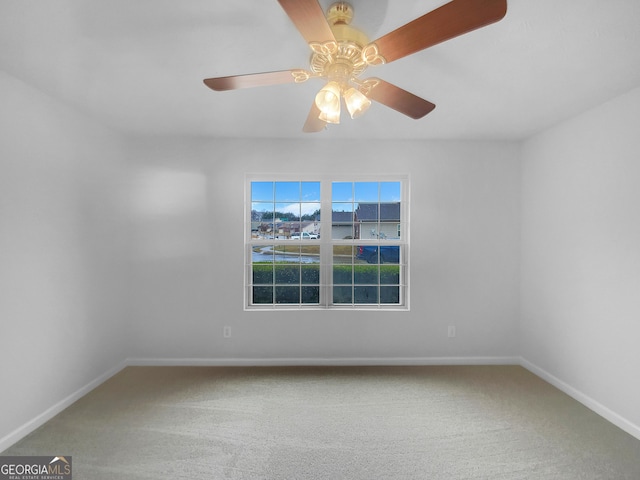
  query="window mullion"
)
[{"x": 325, "y": 243}]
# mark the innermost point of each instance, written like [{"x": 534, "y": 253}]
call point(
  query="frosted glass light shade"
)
[
  {"x": 330, "y": 117},
  {"x": 357, "y": 102},
  {"x": 328, "y": 101}
]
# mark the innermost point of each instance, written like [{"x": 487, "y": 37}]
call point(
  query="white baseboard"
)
[
  {"x": 312, "y": 361},
  {"x": 21, "y": 432},
  {"x": 616, "y": 419},
  {"x": 44, "y": 417},
  {"x": 587, "y": 401}
]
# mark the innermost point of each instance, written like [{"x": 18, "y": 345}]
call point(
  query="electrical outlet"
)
[
  {"x": 226, "y": 332},
  {"x": 451, "y": 331}
]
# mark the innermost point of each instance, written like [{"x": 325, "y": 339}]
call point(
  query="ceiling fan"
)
[{"x": 341, "y": 53}]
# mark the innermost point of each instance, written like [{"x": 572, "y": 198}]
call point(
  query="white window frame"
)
[{"x": 326, "y": 243}]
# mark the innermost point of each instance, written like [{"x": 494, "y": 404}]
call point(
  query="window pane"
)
[
  {"x": 262, "y": 192},
  {"x": 262, "y": 209},
  {"x": 367, "y": 253},
  {"x": 389, "y": 294},
  {"x": 287, "y": 274},
  {"x": 261, "y": 220},
  {"x": 365, "y": 294},
  {"x": 343, "y": 210},
  {"x": 343, "y": 232},
  {"x": 343, "y": 274},
  {"x": 287, "y": 191},
  {"x": 286, "y": 253},
  {"x": 310, "y": 253},
  {"x": 262, "y": 265},
  {"x": 342, "y": 221},
  {"x": 262, "y": 254},
  {"x": 389, "y": 254},
  {"x": 367, "y": 217},
  {"x": 263, "y": 274},
  {"x": 285, "y": 228},
  {"x": 310, "y": 274},
  {"x": 390, "y": 274},
  {"x": 342, "y": 254},
  {"x": 342, "y": 192},
  {"x": 342, "y": 295},
  {"x": 262, "y": 295},
  {"x": 310, "y": 212},
  {"x": 285, "y": 294},
  {"x": 389, "y": 220},
  {"x": 370, "y": 231},
  {"x": 311, "y": 191},
  {"x": 310, "y": 294},
  {"x": 389, "y": 192},
  {"x": 366, "y": 192},
  {"x": 388, "y": 231},
  {"x": 287, "y": 212},
  {"x": 365, "y": 274}
]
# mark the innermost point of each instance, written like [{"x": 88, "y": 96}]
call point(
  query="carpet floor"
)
[{"x": 356, "y": 423}]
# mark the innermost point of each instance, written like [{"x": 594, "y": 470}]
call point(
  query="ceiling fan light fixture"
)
[
  {"x": 341, "y": 53},
  {"x": 330, "y": 117},
  {"x": 328, "y": 101},
  {"x": 328, "y": 98},
  {"x": 356, "y": 101}
]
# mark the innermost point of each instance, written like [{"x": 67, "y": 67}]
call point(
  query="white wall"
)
[
  {"x": 187, "y": 268},
  {"x": 72, "y": 278},
  {"x": 62, "y": 254},
  {"x": 581, "y": 255}
]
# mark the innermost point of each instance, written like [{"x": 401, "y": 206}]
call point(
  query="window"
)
[
  {"x": 284, "y": 270},
  {"x": 337, "y": 243}
]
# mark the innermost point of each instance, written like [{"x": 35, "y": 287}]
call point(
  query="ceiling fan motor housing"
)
[
  {"x": 340, "y": 12},
  {"x": 342, "y": 60}
]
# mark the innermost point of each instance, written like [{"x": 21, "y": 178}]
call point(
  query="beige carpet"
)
[{"x": 453, "y": 423}]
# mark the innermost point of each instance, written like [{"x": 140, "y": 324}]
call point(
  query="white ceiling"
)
[{"x": 138, "y": 65}]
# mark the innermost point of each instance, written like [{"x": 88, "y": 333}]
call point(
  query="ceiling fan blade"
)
[
  {"x": 399, "y": 99},
  {"x": 309, "y": 19},
  {"x": 451, "y": 20},
  {"x": 256, "y": 80},
  {"x": 313, "y": 123}
]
